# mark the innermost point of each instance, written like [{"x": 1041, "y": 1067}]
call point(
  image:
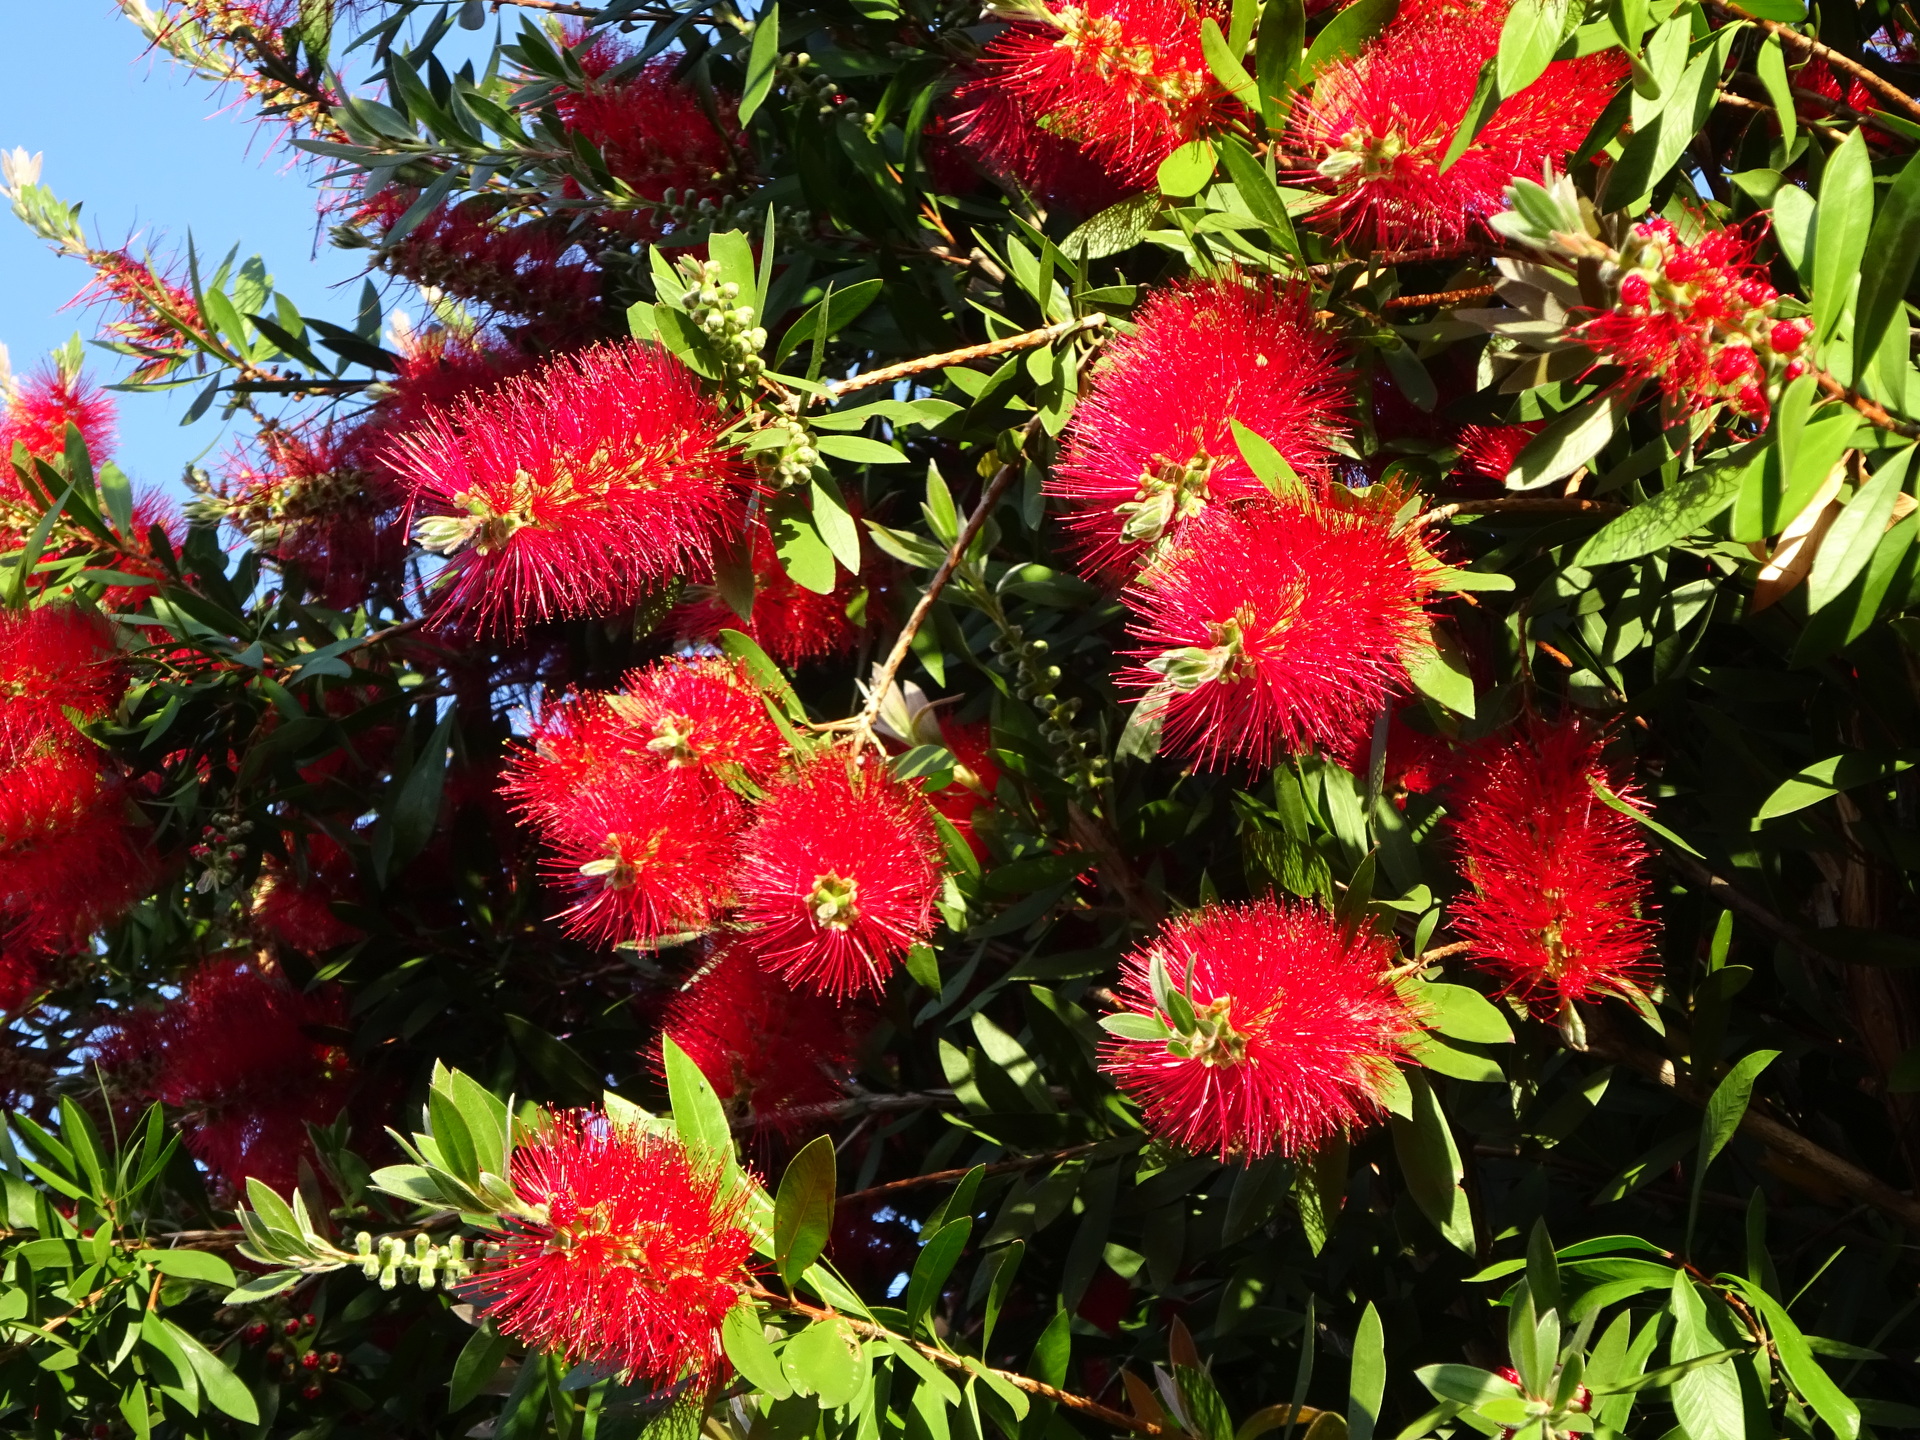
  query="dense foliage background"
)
[{"x": 263, "y": 890}]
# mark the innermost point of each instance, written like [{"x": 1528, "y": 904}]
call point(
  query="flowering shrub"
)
[{"x": 1053, "y": 719}]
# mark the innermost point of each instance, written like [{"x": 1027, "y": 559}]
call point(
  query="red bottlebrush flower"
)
[
  {"x": 294, "y": 900},
  {"x": 40, "y": 408},
  {"x": 839, "y": 876},
  {"x": 705, "y": 715},
  {"x": 320, "y": 500},
  {"x": 1152, "y": 442},
  {"x": 1490, "y": 451},
  {"x": 1004, "y": 137},
  {"x": 647, "y": 857},
  {"x": 767, "y": 1048},
  {"x": 438, "y": 366},
  {"x": 1378, "y": 125},
  {"x": 976, "y": 775},
  {"x": 650, "y": 128},
  {"x": 1560, "y": 883},
  {"x": 1699, "y": 320},
  {"x": 571, "y": 491},
  {"x": 1416, "y": 761},
  {"x": 57, "y": 658},
  {"x": 78, "y": 867},
  {"x": 1124, "y": 79},
  {"x": 630, "y": 1255},
  {"x": 793, "y": 624},
  {"x": 1295, "y": 1032},
  {"x": 1278, "y": 627},
  {"x": 252, "y": 1062},
  {"x": 150, "y": 310}
]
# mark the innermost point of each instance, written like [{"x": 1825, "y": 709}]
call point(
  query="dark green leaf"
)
[{"x": 803, "y": 1209}]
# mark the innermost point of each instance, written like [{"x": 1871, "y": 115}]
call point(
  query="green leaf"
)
[
  {"x": 1276, "y": 52},
  {"x": 1841, "y": 223},
  {"x": 1771, "y": 66},
  {"x": 859, "y": 449},
  {"x": 1439, "y": 671},
  {"x": 1267, "y": 463},
  {"x": 935, "y": 1263},
  {"x": 1804, "y": 1372},
  {"x": 116, "y": 493},
  {"x": 1531, "y": 33},
  {"x": 761, "y": 60},
  {"x": 1856, "y": 531},
  {"x": 478, "y": 1362},
  {"x": 745, "y": 1341},
  {"x": 807, "y": 559},
  {"x": 697, "y": 1112},
  {"x": 766, "y": 674},
  {"x": 1187, "y": 170},
  {"x": 262, "y": 1287},
  {"x": 1684, "y": 507},
  {"x": 803, "y": 1210},
  {"x": 1570, "y": 439},
  {"x": 828, "y": 317},
  {"x": 190, "y": 1265},
  {"x": 1260, "y": 194},
  {"x": 1430, "y": 1165},
  {"x": 823, "y": 1360},
  {"x": 1225, "y": 64},
  {"x": 1467, "y": 1384},
  {"x": 1614, "y": 802},
  {"x": 1116, "y": 228},
  {"x": 835, "y": 525},
  {"x": 1706, "y": 1398},
  {"x": 1826, "y": 778},
  {"x": 416, "y": 803},
  {"x": 1436, "y": 1055},
  {"x": 1653, "y": 150},
  {"x": 224, "y": 1388},
  {"x": 1894, "y": 244},
  {"x": 1347, "y": 33},
  {"x": 1369, "y": 1383},
  {"x": 1129, "y": 1026},
  {"x": 1461, "y": 1013},
  {"x": 1319, "y": 1186},
  {"x": 1728, "y": 1104},
  {"x": 1006, "y": 1267}
]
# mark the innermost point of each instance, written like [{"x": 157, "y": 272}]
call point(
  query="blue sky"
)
[{"x": 156, "y": 154}]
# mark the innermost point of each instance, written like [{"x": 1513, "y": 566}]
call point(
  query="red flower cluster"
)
[
  {"x": 1700, "y": 320},
  {"x": 249, "y": 1060},
  {"x": 1560, "y": 884},
  {"x": 649, "y": 127},
  {"x": 1489, "y": 451},
  {"x": 630, "y": 1254},
  {"x": 768, "y": 1049},
  {"x": 1152, "y": 443},
  {"x": 976, "y": 776},
  {"x": 294, "y": 900},
  {"x": 1002, "y": 136},
  {"x": 1279, "y": 627},
  {"x": 39, "y": 409},
  {"x": 1378, "y": 125},
  {"x": 1290, "y": 1031},
  {"x": 571, "y": 491},
  {"x": 1124, "y": 80},
  {"x": 839, "y": 875},
  {"x": 633, "y": 794},
  {"x": 150, "y": 310},
  {"x": 1416, "y": 761},
  {"x": 70, "y": 855}
]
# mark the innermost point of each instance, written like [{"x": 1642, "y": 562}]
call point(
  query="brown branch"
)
[
  {"x": 874, "y": 1104},
  {"x": 1441, "y": 299},
  {"x": 1093, "y": 1409},
  {"x": 884, "y": 675},
  {"x": 1885, "y": 89},
  {"x": 1870, "y": 410},
  {"x": 1517, "y": 505},
  {"x": 943, "y": 1177},
  {"x": 1844, "y": 1175},
  {"x": 1026, "y": 340}
]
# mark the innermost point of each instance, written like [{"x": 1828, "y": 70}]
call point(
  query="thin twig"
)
[
  {"x": 1026, "y": 340},
  {"x": 1440, "y": 299},
  {"x": 1517, "y": 505},
  {"x": 883, "y": 676},
  {"x": 1734, "y": 898},
  {"x": 943, "y": 1177},
  {"x": 1885, "y": 89},
  {"x": 1871, "y": 410},
  {"x": 845, "y": 1109}
]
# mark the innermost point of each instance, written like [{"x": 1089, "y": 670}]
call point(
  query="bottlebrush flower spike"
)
[
  {"x": 647, "y": 856},
  {"x": 39, "y": 409},
  {"x": 1489, "y": 451},
  {"x": 766, "y": 1048},
  {"x": 1378, "y": 125},
  {"x": 293, "y": 902},
  {"x": 1699, "y": 320},
  {"x": 629, "y": 1255},
  {"x": 1278, "y": 627},
  {"x": 649, "y": 128},
  {"x": 252, "y": 1062},
  {"x": 1256, "y": 1028},
  {"x": 1152, "y": 441},
  {"x": 150, "y": 311},
  {"x": 572, "y": 491},
  {"x": 839, "y": 876},
  {"x": 1126, "y": 80},
  {"x": 703, "y": 715},
  {"x": 1001, "y": 133},
  {"x": 512, "y": 268},
  {"x": 57, "y": 658},
  {"x": 1560, "y": 884}
]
